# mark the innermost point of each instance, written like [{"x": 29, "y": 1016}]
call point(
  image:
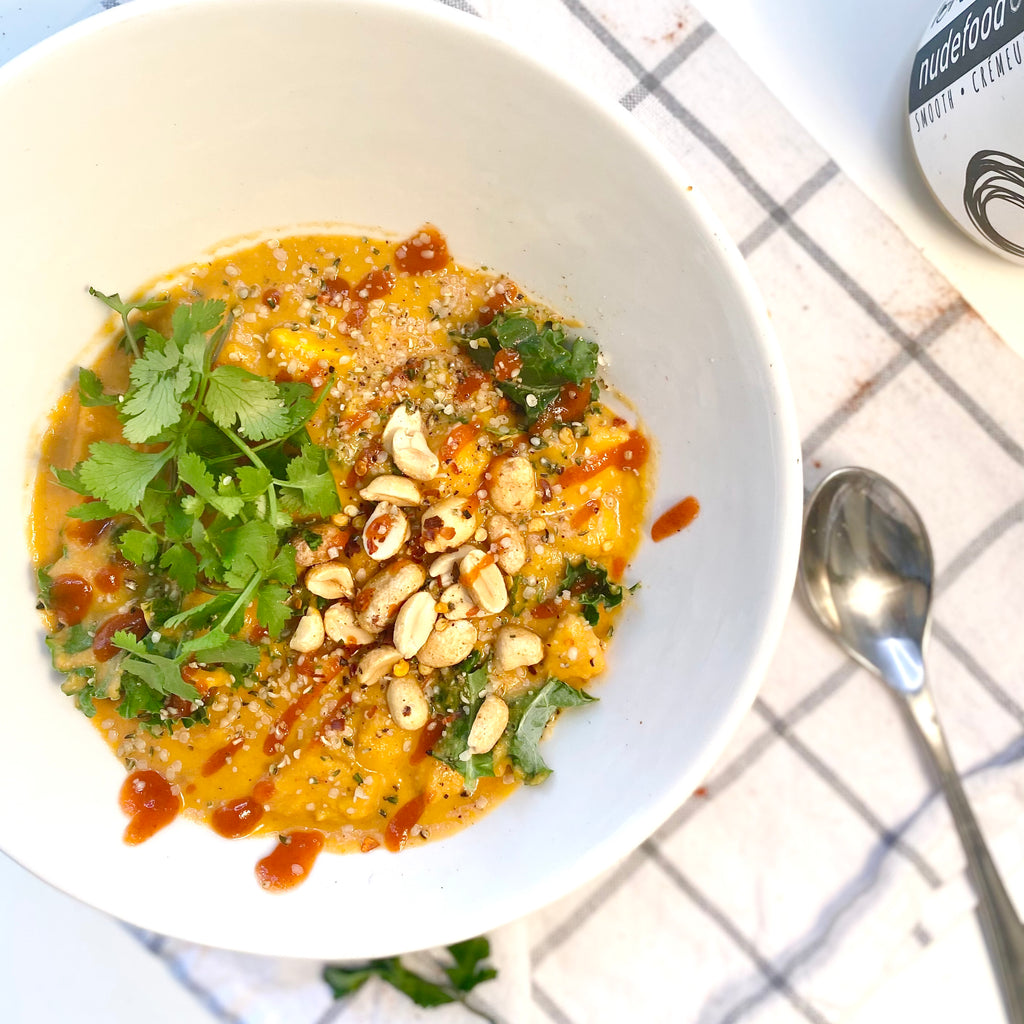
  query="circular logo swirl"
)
[{"x": 994, "y": 177}]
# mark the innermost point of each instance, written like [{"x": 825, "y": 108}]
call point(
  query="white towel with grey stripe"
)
[{"x": 815, "y": 864}]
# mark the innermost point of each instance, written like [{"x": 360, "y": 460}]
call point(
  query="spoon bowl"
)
[{"x": 866, "y": 571}]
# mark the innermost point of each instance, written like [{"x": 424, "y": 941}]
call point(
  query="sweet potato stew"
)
[{"x": 327, "y": 537}]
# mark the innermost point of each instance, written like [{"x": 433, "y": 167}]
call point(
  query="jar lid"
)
[{"x": 967, "y": 118}]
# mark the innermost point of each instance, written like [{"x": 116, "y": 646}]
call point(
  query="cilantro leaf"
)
[
  {"x": 548, "y": 359},
  {"x": 417, "y": 988},
  {"x": 588, "y": 582},
  {"x": 69, "y": 478},
  {"x": 272, "y": 611},
  {"x": 467, "y": 974},
  {"x": 528, "y": 717},
  {"x": 192, "y": 471},
  {"x": 138, "y": 698},
  {"x": 138, "y": 547},
  {"x": 160, "y": 381},
  {"x": 125, "y": 309},
  {"x": 190, "y": 319},
  {"x": 90, "y": 510},
  {"x": 90, "y": 390},
  {"x": 343, "y": 981},
  {"x": 117, "y": 474},
  {"x": 249, "y": 549},
  {"x": 255, "y": 402},
  {"x": 156, "y": 671},
  {"x": 309, "y": 473},
  {"x": 182, "y": 566}
]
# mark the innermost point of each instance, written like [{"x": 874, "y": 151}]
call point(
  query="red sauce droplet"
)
[
  {"x": 219, "y": 758},
  {"x": 236, "y": 818},
  {"x": 86, "y": 532},
  {"x": 396, "y": 835},
  {"x": 461, "y": 435},
  {"x": 377, "y": 532},
  {"x": 506, "y": 363},
  {"x": 291, "y": 860},
  {"x": 148, "y": 799},
  {"x": 584, "y": 512},
  {"x": 271, "y": 297},
  {"x": 631, "y": 454},
  {"x": 475, "y": 378},
  {"x": 467, "y": 577},
  {"x": 283, "y": 726},
  {"x": 677, "y": 518},
  {"x": 70, "y": 597},
  {"x": 545, "y": 610},
  {"x": 568, "y": 407},
  {"x": 133, "y": 622},
  {"x": 505, "y": 293},
  {"x": 109, "y": 580},
  {"x": 263, "y": 790},
  {"x": 426, "y": 250}
]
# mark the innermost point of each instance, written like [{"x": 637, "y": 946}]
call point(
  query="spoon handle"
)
[{"x": 1002, "y": 928}]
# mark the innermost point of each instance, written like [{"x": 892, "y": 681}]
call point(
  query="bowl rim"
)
[{"x": 638, "y": 825}]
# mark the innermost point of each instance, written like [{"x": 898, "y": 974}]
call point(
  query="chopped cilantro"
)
[
  {"x": 588, "y": 582},
  {"x": 548, "y": 359}
]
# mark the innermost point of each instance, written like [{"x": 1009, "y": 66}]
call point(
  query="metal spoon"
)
[{"x": 866, "y": 572}]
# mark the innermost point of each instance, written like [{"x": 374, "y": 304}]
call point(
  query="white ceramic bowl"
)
[{"x": 135, "y": 141}]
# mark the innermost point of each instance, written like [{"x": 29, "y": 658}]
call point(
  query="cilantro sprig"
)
[
  {"x": 215, "y": 470},
  {"x": 548, "y": 359},
  {"x": 466, "y": 972}
]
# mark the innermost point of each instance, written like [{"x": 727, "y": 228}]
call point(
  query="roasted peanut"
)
[
  {"x": 513, "y": 486},
  {"x": 488, "y": 725},
  {"x": 379, "y": 599},
  {"x": 330, "y": 579},
  {"x": 479, "y": 574},
  {"x": 447, "y": 524},
  {"x": 309, "y": 633},
  {"x": 445, "y": 647},
  {"x": 341, "y": 626},
  {"x": 447, "y": 564},
  {"x": 399, "y": 490},
  {"x": 413, "y": 623},
  {"x": 375, "y": 664},
  {"x": 385, "y": 532},
  {"x": 406, "y": 443},
  {"x": 332, "y": 542},
  {"x": 506, "y": 543},
  {"x": 517, "y": 647},
  {"x": 409, "y": 708},
  {"x": 459, "y": 601}
]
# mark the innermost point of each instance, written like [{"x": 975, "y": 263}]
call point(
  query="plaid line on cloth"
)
[{"x": 815, "y": 862}]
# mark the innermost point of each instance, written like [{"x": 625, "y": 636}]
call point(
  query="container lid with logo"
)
[{"x": 967, "y": 118}]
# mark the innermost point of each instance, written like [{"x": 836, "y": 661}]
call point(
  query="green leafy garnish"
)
[
  {"x": 460, "y": 694},
  {"x": 528, "y": 717},
  {"x": 548, "y": 359},
  {"x": 467, "y": 971},
  {"x": 588, "y": 582},
  {"x": 217, "y": 472},
  {"x": 90, "y": 390}
]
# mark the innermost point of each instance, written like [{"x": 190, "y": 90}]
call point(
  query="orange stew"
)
[{"x": 356, "y": 526}]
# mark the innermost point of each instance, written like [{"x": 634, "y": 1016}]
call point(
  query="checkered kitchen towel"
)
[{"x": 815, "y": 862}]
